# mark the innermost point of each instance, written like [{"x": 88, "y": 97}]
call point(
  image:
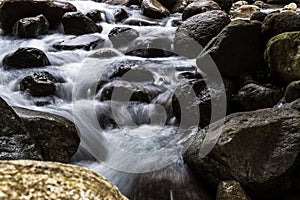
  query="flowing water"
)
[{"x": 142, "y": 153}]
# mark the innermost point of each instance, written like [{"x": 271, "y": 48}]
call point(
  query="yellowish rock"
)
[{"x": 26, "y": 179}]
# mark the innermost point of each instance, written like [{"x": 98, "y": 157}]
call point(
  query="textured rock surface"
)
[
  {"x": 278, "y": 23},
  {"x": 31, "y": 27},
  {"x": 154, "y": 9},
  {"x": 282, "y": 56},
  {"x": 25, "y": 58},
  {"x": 39, "y": 84},
  {"x": 47, "y": 180},
  {"x": 15, "y": 141},
  {"x": 231, "y": 190},
  {"x": 237, "y": 50},
  {"x": 198, "y": 7},
  {"x": 56, "y": 136},
  {"x": 259, "y": 149},
  {"x": 13, "y": 10},
  {"x": 76, "y": 23},
  {"x": 195, "y": 32},
  {"x": 292, "y": 91}
]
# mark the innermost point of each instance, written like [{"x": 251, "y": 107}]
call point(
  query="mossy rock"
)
[
  {"x": 25, "y": 179},
  {"x": 283, "y": 57}
]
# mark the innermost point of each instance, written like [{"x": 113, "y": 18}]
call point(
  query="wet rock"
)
[
  {"x": 195, "y": 98},
  {"x": 56, "y": 136},
  {"x": 154, "y": 9},
  {"x": 39, "y": 84},
  {"x": 94, "y": 15},
  {"x": 277, "y": 23},
  {"x": 179, "y": 6},
  {"x": 14, "y": 10},
  {"x": 133, "y": 74},
  {"x": 122, "y": 36},
  {"x": 249, "y": 8},
  {"x": 231, "y": 190},
  {"x": 225, "y": 4},
  {"x": 115, "y": 2},
  {"x": 169, "y": 4},
  {"x": 151, "y": 47},
  {"x": 105, "y": 53},
  {"x": 76, "y": 23},
  {"x": 292, "y": 91},
  {"x": 282, "y": 56},
  {"x": 259, "y": 16},
  {"x": 125, "y": 91},
  {"x": 199, "y": 30},
  {"x": 198, "y": 7},
  {"x": 282, "y": 1},
  {"x": 15, "y": 141},
  {"x": 259, "y": 149},
  {"x": 20, "y": 178},
  {"x": 120, "y": 15},
  {"x": 31, "y": 27},
  {"x": 293, "y": 105},
  {"x": 25, "y": 58},
  {"x": 237, "y": 50},
  {"x": 263, "y": 96},
  {"x": 86, "y": 42},
  {"x": 134, "y": 2}
]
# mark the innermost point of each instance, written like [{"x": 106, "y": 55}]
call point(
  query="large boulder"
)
[
  {"x": 282, "y": 56},
  {"x": 259, "y": 149},
  {"x": 13, "y": 10},
  {"x": 39, "y": 84},
  {"x": 237, "y": 50},
  {"x": 277, "y": 23},
  {"x": 198, "y": 30},
  {"x": 26, "y": 179},
  {"x": 154, "y": 9},
  {"x": 76, "y": 23},
  {"x": 15, "y": 141},
  {"x": 56, "y": 136},
  {"x": 86, "y": 42},
  {"x": 31, "y": 27},
  {"x": 198, "y": 7},
  {"x": 25, "y": 58}
]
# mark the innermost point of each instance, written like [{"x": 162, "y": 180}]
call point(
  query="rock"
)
[
  {"x": 238, "y": 4},
  {"x": 259, "y": 16},
  {"x": 14, "y": 10},
  {"x": 291, "y": 6},
  {"x": 231, "y": 190},
  {"x": 115, "y": 2},
  {"x": 153, "y": 9},
  {"x": 293, "y": 105},
  {"x": 179, "y": 6},
  {"x": 25, "y": 58},
  {"x": 56, "y": 136},
  {"x": 120, "y": 15},
  {"x": 292, "y": 91},
  {"x": 31, "y": 27},
  {"x": 282, "y": 1},
  {"x": 94, "y": 15},
  {"x": 86, "y": 42},
  {"x": 105, "y": 53},
  {"x": 122, "y": 36},
  {"x": 15, "y": 141},
  {"x": 125, "y": 91},
  {"x": 132, "y": 74},
  {"x": 150, "y": 47},
  {"x": 282, "y": 57},
  {"x": 133, "y": 2},
  {"x": 198, "y": 7},
  {"x": 39, "y": 84},
  {"x": 277, "y": 23},
  {"x": 76, "y": 23},
  {"x": 199, "y": 29},
  {"x": 225, "y": 4},
  {"x": 169, "y": 4},
  {"x": 259, "y": 149},
  {"x": 35, "y": 179},
  {"x": 249, "y": 8},
  {"x": 237, "y": 50},
  {"x": 195, "y": 99},
  {"x": 263, "y": 96}
]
